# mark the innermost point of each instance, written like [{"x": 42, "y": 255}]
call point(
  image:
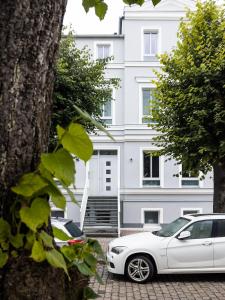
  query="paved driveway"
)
[{"x": 163, "y": 287}]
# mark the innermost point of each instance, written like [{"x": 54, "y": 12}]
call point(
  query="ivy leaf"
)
[
  {"x": 56, "y": 259},
  {"x": 76, "y": 141},
  {"x": 90, "y": 260},
  {"x": 38, "y": 253},
  {"x": 68, "y": 252},
  {"x": 29, "y": 184},
  {"x": 60, "y": 234},
  {"x": 60, "y": 164},
  {"x": 84, "y": 268},
  {"x": 56, "y": 196},
  {"x": 3, "y": 258},
  {"x": 16, "y": 240},
  {"x": 89, "y": 293},
  {"x": 4, "y": 230},
  {"x": 101, "y": 9},
  {"x": 60, "y": 131},
  {"x": 47, "y": 239},
  {"x": 36, "y": 215}
]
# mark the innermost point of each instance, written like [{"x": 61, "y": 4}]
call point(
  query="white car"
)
[{"x": 191, "y": 244}]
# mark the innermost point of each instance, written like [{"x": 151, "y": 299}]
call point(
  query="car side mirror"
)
[{"x": 184, "y": 235}]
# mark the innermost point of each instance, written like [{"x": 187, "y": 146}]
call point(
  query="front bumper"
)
[{"x": 115, "y": 262}]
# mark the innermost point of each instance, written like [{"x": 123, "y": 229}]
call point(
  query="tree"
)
[
  {"x": 29, "y": 38},
  {"x": 79, "y": 80},
  {"x": 191, "y": 97}
]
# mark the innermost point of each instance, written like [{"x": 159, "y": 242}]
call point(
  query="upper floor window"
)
[
  {"x": 151, "y": 169},
  {"x": 189, "y": 178},
  {"x": 150, "y": 44},
  {"x": 147, "y": 105},
  {"x": 103, "y": 51},
  {"x": 107, "y": 110}
]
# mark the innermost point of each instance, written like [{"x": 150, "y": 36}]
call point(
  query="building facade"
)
[{"x": 144, "y": 185}]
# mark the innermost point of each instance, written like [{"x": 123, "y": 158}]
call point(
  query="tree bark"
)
[
  {"x": 219, "y": 188},
  {"x": 29, "y": 38}
]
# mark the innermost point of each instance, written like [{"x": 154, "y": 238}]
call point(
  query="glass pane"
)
[
  {"x": 151, "y": 217},
  {"x": 108, "y": 152},
  {"x": 172, "y": 228},
  {"x": 108, "y": 172},
  {"x": 154, "y": 39},
  {"x": 146, "y": 165},
  {"x": 145, "y": 103},
  {"x": 73, "y": 229},
  {"x": 100, "y": 52},
  {"x": 107, "y": 121},
  {"x": 190, "y": 212},
  {"x": 220, "y": 226},
  {"x": 190, "y": 183},
  {"x": 106, "y": 51},
  {"x": 108, "y": 188},
  {"x": 108, "y": 163},
  {"x": 57, "y": 213},
  {"x": 155, "y": 166},
  {"x": 108, "y": 179},
  {"x": 107, "y": 109},
  {"x": 152, "y": 183},
  {"x": 147, "y": 43},
  {"x": 200, "y": 230}
]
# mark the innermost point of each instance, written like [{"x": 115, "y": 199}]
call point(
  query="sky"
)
[{"x": 83, "y": 23}]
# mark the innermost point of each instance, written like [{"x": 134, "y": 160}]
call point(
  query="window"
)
[
  {"x": 220, "y": 228},
  {"x": 189, "y": 178},
  {"x": 107, "y": 111},
  {"x": 190, "y": 211},
  {"x": 103, "y": 51},
  {"x": 150, "y": 170},
  {"x": 152, "y": 216},
  {"x": 150, "y": 44},
  {"x": 57, "y": 213},
  {"x": 147, "y": 105},
  {"x": 200, "y": 230}
]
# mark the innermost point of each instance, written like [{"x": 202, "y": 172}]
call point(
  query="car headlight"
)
[{"x": 118, "y": 249}]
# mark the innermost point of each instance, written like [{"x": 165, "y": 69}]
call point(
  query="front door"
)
[
  {"x": 103, "y": 175},
  {"x": 194, "y": 252}
]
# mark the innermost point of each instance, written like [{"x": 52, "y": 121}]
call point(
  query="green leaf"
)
[
  {"x": 90, "y": 260},
  {"x": 30, "y": 240},
  {"x": 61, "y": 165},
  {"x": 56, "y": 259},
  {"x": 3, "y": 258},
  {"x": 101, "y": 9},
  {"x": 139, "y": 2},
  {"x": 56, "y": 196},
  {"x": 69, "y": 253},
  {"x": 60, "y": 131},
  {"x": 29, "y": 184},
  {"x": 76, "y": 141},
  {"x": 96, "y": 247},
  {"x": 99, "y": 279},
  {"x": 4, "y": 230},
  {"x": 38, "y": 253},
  {"x": 89, "y": 293},
  {"x": 16, "y": 240},
  {"x": 47, "y": 239},
  {"x": 155, "y": 2},
  {"x": 60, "y": 234},
  {"x": 35, "y": 216},
  {"x": 87, "y": 117},
  {"x": 84, "y": 268}
]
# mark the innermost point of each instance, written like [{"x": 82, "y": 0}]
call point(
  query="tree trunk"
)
[
  {"x": 219, "y": 188},
  {"x": 29, "y": 38}
]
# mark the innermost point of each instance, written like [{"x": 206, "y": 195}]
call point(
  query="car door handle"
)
[{"x": 207, "y": 243}]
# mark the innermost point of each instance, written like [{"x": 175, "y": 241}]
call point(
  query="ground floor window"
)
[
  {"x": 152, "y": 216},
  {"x": 189, "y": 178},
  {"x": 57, "y": 213},
  {"x": 190, "y": 211},
  {"x": 151, "y": 169}
]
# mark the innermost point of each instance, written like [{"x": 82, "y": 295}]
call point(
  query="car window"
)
[
  {"x": 200, "y": 230},
  {"x": 172, "y": 228},
  {"x": 220, "y": 228},
  {"x": 73, "y": 229}
]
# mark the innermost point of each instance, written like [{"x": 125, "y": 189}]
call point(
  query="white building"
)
[{"x": 128, "y": 188}]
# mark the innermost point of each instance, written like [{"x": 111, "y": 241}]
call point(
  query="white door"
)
[
  {"x": 103, "y": 173},
  {"x": 194, "y": 252},
  {"x": 219, "y": 244}
]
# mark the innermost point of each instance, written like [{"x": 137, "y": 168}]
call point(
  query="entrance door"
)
[{"x": 103, "y": 173}]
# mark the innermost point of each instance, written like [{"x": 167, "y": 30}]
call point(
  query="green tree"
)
[
  {"x": 79, "y": 80},
  {"x": 191, "y": 97},
  {"x": 29, "y": 39}
]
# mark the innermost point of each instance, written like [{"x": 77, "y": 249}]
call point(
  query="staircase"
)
[{"x": 101, "y": 216}]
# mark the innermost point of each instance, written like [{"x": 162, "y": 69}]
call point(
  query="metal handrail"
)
[{"x": 84, "y": 198}]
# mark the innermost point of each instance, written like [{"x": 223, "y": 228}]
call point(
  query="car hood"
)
[{"x": 136, "y": 240}]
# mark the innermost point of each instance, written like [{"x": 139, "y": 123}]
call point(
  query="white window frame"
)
[
  {"x": 159, "y": 42},
  {"x": 112, "y": 109},
  {"x": 200, "y": 183},
  {"x": 99, "y": 43},
  {"x": 161, "y": 168},
  {"x": 160, "y": 210},
  {"x": 141, "y": 87},
  {"x": 190, "y": 208}
]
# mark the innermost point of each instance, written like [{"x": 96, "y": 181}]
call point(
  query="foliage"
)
[
  {"x": 79, "y": 80},
  {"x": 191, "y": 91},
  {"x": 101, "y": 7}
]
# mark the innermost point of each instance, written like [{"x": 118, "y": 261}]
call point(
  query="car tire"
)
[{"x": 139, "y": 269}]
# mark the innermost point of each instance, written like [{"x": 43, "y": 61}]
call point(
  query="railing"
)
[{"x": 84, "y": 198}]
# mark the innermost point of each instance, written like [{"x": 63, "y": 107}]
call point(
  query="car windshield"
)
[
  {"x": 172, "y": 228},
  {"x": 73, "y": 229}
]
